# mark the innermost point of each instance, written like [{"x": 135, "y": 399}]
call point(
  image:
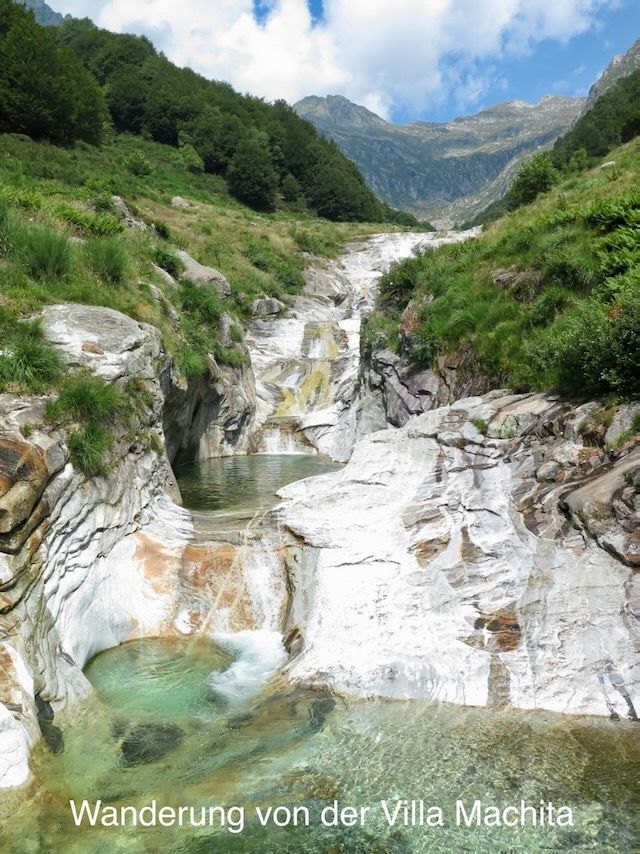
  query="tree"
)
[
  {"x": 44, "y": 90},
  {"x": 290, "y": 188},
  {"x": 252, "y": 177},
  {"x": 536, "y": 176}
]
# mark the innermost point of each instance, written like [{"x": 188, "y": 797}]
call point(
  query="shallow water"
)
[
  {"x": 200, "y": 723},
  {"x": 249, "y": 484},
  {"x": 297, "y": 747}
]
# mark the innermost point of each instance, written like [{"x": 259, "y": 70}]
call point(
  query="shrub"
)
[
  {"x": 109, "y": 259},
  {"x": 138, "y": 165},
  {"x": 27, "y": 361},
  {"x": 169, "y": 261},
  {"x": 290, "y": 188},
  {"x": 44, "y": 253},
  {"x": 536, "y": 176},
  {"x": 396, "y": 287}
]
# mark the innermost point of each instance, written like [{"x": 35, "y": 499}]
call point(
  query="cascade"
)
[{"x": 306, "y": 362}]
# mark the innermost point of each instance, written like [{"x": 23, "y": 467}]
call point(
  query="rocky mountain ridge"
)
[
  {"x": 620, "y": 66},
  {"x": 443, "y": 172},
  {"x": 43, "y": 13}
]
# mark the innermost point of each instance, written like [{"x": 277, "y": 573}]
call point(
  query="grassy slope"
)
[
  {"x": 573, "y": 318},
  {"x": 259, "y": 253},
  {"x": 49, "y": 196}
]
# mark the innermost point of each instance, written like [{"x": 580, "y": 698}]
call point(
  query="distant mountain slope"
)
[
  {"x": 44, "y": 14},
  {"x": 444, "y": 172},
  {"x": 620, "y": 66}
]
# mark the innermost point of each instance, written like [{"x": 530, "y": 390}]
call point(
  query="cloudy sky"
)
[{"x": 404, "y": 59}]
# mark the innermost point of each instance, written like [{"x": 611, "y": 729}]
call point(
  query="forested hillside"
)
[{"x": 78, "y": 82}]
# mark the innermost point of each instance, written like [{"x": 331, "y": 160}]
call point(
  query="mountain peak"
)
[
  {"x": 337, "y": 110},
  {"x": 443, "y": 171},
  {"x": 620, "y": 66},
  {"x": 43, "y": 13}
]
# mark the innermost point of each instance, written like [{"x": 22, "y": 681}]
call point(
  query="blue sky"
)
[{"x": 405, "y": 59}]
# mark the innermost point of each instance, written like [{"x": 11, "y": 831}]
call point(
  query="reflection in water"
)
[
  {"x": 159, "y": 729},
  {"x": 246, "y": 483}
]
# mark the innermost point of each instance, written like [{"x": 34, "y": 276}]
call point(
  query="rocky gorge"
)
[{"x": 478, "y": 547}]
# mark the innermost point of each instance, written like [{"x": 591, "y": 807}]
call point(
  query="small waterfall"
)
[
  {"x": 258, "y": 655},
  {"x": 306, "y": 363}
]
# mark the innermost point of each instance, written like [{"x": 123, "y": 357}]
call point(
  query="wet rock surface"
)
[{"x": 147, "y": 743}]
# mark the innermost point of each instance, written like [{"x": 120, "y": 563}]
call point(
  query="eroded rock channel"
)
[{"x": 480, "y": 551}]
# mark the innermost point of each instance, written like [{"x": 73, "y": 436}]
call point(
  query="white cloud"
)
[{"x": 382, "y": 54}]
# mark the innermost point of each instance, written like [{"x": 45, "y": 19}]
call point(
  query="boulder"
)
[
  {"x": 201, "y": 275},
  {"x": 149, "y": 742},
  {"x": 622, "y": 424},
  {"x": 166, "y": 277},
  {"x": 125, "y": 214},
  {"x": 267, "y": 307},
  {"x": 525, "y": 285},
  {"x": 179, "y": 202},
  {"x": 112, "y": 344}
]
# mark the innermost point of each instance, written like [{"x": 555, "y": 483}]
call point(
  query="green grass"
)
[
  {"x": 85, "y": 398},
  {"x": 91, "y": 410},
  {"x": 88, "y": 449},
  {"x": 43, "y": 252},
  {"x": 571, "y": 319},
  {"x": 28, "y": 365},
  {"x": 109, "y": 259},
  {"x": 50, "y": 198}
]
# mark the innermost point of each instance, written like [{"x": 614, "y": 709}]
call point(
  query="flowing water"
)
[
  {"x": 213, "y": 722},
  {"x": 202, "y": 723}
]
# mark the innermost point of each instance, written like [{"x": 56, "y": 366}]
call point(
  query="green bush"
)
[
  {"x": 27, "y": 363},
  {"x": 536, "y": 176},
  {"x": 109, "y": 259},
  {"x": 44, "y": 253},
  {"x": 138, "y": 165}
]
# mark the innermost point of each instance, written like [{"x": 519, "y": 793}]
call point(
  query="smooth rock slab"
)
[{"x": 110, "y": 343}]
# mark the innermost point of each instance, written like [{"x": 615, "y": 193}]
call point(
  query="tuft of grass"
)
[
  {"x": 84, "y": 399},
  {"x": 27, "y": 363},
  {"x": 5, "y": 225},
  {"x": 109, "y": 259},
  {"x": 43, "y": 252},
  {"x": 191, "y": 362},
  {"x": 314, "y": 244},
  {"x": 481, "y": 425},
  {"x": 88, "y": 449}
]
